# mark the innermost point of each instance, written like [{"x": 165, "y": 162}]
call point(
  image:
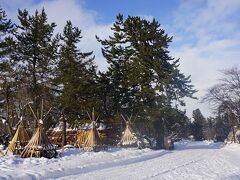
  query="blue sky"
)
[{"x": 206, "y": 33}]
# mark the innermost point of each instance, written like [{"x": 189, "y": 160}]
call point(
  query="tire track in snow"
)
[
  {"x": 215, "y": 164},
  {"x": 104, "y": 165},
  {"x": 196, "y": 160},
  {"x": 136, "y": 170}
]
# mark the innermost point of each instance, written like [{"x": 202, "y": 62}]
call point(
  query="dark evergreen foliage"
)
[
  {"x": 198, "y": 125},
  {"x": 7, "y": 69},
  {"x": 209, "y": 129},
  {"x": 222, "y": 128},
  {"x": 143, "y": 78},
  {"x": 36, "y": 54},
  {"x": 76, "y": 75}
]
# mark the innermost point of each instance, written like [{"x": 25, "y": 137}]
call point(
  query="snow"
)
[
  {"x": 190, "y": 160},
  {"x": 40, "y": 121},
  {"x": 4, "y": 120}
]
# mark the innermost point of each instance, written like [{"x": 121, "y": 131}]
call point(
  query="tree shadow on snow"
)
[
  {"x": 233, "y": 177},
  {"x": 182, "y": 145}
]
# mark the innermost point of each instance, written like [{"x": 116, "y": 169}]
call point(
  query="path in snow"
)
[{"x": 190, "y": 160}]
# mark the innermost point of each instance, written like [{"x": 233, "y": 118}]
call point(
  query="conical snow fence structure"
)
[
  {"x": 129, "y": 138},
  {"x": 93, "y": 141},
  {"x": 39, "y": 145},
  {"x": 19, "y": 140},
  {"x": 81, "y": 137},
  {"x": 1, "y": 153}
]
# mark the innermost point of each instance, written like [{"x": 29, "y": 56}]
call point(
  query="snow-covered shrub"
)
[
  {"x": 230, "y": 138},
  {"x": 237, "y": 136}
]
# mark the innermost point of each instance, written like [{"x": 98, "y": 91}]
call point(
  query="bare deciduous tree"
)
[{"x": 224, "y": 97}]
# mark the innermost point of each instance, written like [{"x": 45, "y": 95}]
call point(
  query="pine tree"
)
[
  {"x": 143, "y": 77},
  {"x": 117, "y": 72},
  {"x": 209, "y": 131},
  {"x": 222, "y": 127},
  {"x": 198, "y": 125},
  {"x": 104, "y": 95},
  {"x": 36, "y": 53},
  {"x": 177, "y": 124},
  {"x": 6, "y": 30},
  {"x": 7, "y": 69},
  {"x": 76, "y": 73}
]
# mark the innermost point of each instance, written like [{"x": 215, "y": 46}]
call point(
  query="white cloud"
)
[
  {"x": 207, "y": 17},
  {"x": 59, "y": 11},
  {"x": 208, "y": 40},
  {"x": 147, "y": 17}
]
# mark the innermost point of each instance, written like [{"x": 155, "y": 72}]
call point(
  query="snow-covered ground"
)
[{"x": 190, "y": 160}]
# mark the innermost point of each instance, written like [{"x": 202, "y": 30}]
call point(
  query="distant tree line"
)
[
  {"x": 224, "y": 98},
  {"x": 142, "y": 79},
  {"x": 212, "y": 128}
]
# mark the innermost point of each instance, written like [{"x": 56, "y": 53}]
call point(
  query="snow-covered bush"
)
[{"x": 237, "y": 136}]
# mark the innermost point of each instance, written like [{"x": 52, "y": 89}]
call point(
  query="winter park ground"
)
[{"x": 190, "y": 160}]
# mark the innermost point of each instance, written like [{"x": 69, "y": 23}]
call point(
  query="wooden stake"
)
[
  {"x": 47, "y": 113},
  {"x": 33, "y": 112},
  {"x": 41, "y": 116},
  {"x": 89, "y": 116}
]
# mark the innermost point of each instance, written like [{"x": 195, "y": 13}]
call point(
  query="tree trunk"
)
[
  {"x": 35, "y": 91},
  {"x": 64, "y": 132},
  {"x": 234, "y": 134},
  {"x": 159, "y": 130},
  {"x": 9, "y": 128}
]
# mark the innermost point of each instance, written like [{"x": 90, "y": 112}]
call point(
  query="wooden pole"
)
[
  {"x": 41, "y": 116},
  {"x": 33, "y": 112},
  {"x": 64, "y": 130}
]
